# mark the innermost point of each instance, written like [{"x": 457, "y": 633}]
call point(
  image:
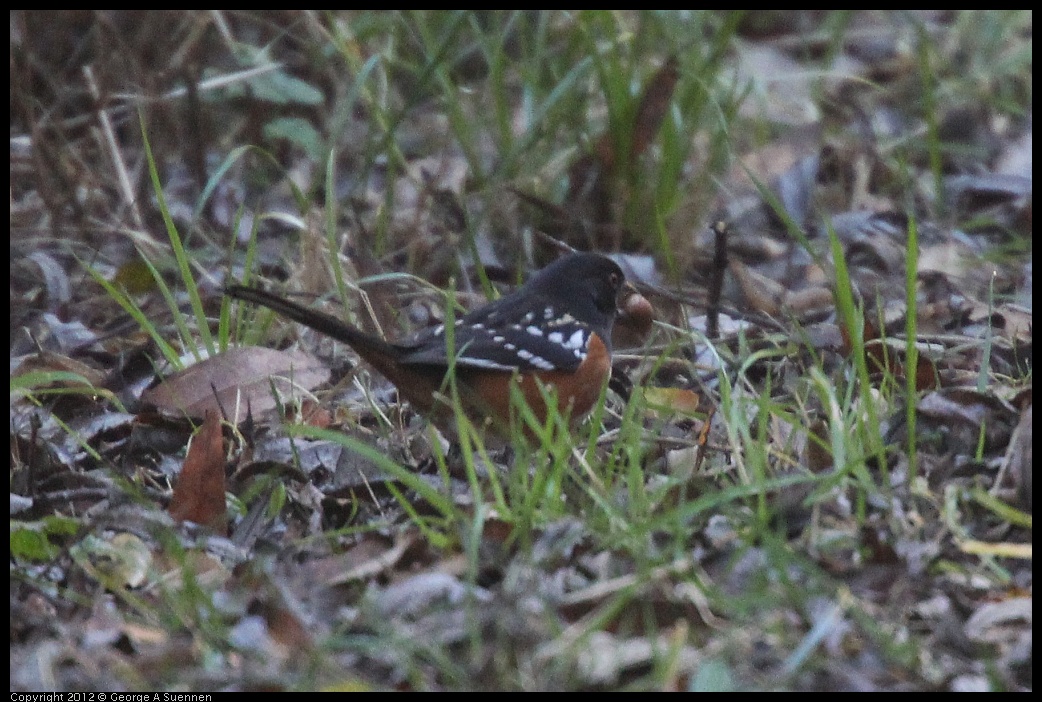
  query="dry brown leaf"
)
[
  {"x": 370, "y": 557},
  {"x": 1019, "y": 458},
  {"x": 654, "y": 105},
  {"x": 809, "y": 300},
  {"x": 886, "y": 358},
  {"x": 760, "y": 292},
  {"x": 241, "y": 377},
  {"x": 818, "y": 455},
  {"x": 591, "y": 178},
  {"x": 199, "y": 493},
  {"x": 50, "y": 362},
  {"x": 1011, "y": 321}
]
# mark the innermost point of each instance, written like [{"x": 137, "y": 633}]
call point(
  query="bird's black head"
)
[{"x": 584, "y": 281}]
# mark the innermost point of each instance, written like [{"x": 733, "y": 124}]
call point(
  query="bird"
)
[{"x": 554, "y": 331}]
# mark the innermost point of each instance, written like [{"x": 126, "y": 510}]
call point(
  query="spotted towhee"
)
[{"x": 554, "y": 330}]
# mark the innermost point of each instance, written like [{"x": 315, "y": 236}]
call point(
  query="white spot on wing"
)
[
  {"x": 556, "y": 337},
  {"x": 483, "y": 363},
  {"x": 576, "y": 341},
  {"x": 534, "y": 331},
  {"x": 541, "y": 363}
]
